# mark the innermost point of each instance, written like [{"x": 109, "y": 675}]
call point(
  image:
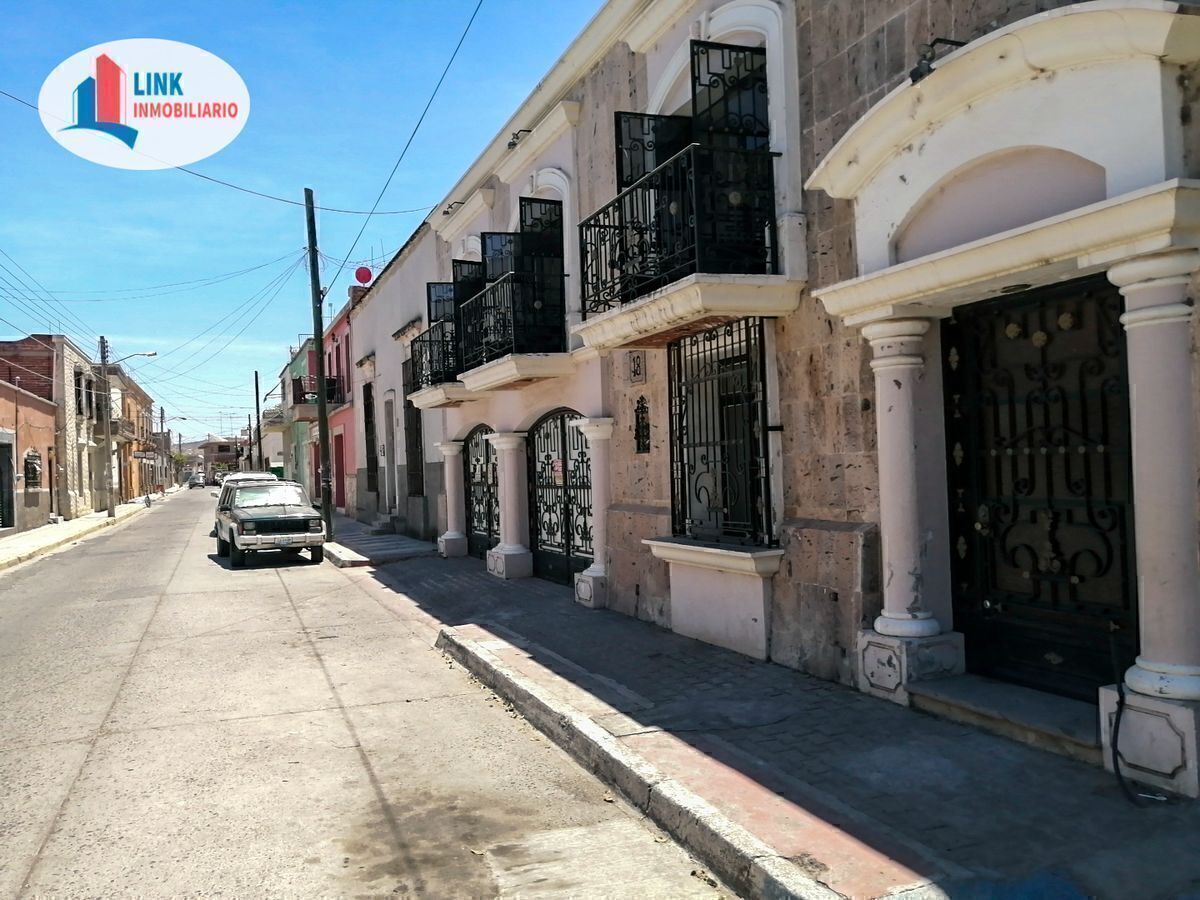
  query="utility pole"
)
[
  {"x": 319, "y": 344},
  {"x": 249, "y": 457},
  {"x": 108, "y": 484},
  {"x": 262, "y": 466},
  {"x": 163, "y": 441}
]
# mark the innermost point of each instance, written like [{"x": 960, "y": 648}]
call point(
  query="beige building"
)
[{"x": 854, "y": 337}]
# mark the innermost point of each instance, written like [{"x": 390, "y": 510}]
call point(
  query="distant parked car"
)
[
  {"x": 257, "y": 516},
  {"x": 196, "y": 481}
]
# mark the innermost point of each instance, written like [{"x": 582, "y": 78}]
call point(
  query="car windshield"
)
[{"x": 271, "y": 495}]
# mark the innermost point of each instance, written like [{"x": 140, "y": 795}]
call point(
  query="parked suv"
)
[
  {"x": 259, "y": 516},
  {"x": 225, "y": 492}
]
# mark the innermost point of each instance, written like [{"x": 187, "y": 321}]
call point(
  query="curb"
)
[
  {"x": 739, "y": 858},
  {"x": 9, "y": 562},
  {"x": 344, "y": 558}
]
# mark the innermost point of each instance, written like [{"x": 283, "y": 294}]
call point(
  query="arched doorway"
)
[
  {"x": 480, "y": 478},
  {"x": 560, "y": 497}
]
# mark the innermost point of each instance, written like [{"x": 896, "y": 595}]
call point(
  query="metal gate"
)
[
  {"x": 1041, "y": 514},
  {"x": 483, "y": 510},
  {"x": 7, "y": 502},
  {"x": 560, "y": 498}
]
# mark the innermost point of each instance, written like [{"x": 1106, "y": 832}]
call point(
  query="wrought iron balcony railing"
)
[
  {"x": 435, "y": 355},
  {"x": 304, "y": 390},
  {"x": 705, "y": 210},
  {"x": 520, "y": 312}
]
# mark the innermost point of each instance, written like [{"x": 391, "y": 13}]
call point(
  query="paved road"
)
[{"x": 170, "y": 726}]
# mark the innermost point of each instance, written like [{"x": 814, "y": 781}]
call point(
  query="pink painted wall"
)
[{"x": 339, "y": 364}]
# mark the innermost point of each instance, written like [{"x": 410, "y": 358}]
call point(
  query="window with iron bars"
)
[{"x": 720, "y": 477}]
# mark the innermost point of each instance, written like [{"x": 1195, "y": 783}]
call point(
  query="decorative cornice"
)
[
  {"x": 510, "y": 371},
  {"x": 448, "y": 227},
  {"x": 506, "y": 440},
  {"x": 688, "y": 301},
  {"x": 762, "y": 561},
  {"x": 1082, "y": 34},
  {"x": 523, "y": 156},
  {"x": 647, "y": 28},
  {"x": 594, "y": 429},
  {"x": 1152, "y": 220}
]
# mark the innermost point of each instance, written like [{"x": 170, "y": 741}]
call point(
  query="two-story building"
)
[
  {"x": 928, "y": 428},
  {"x": 339, "y": 369}
]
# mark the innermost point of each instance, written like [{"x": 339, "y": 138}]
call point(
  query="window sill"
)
[{"x": 760, "y": 561}]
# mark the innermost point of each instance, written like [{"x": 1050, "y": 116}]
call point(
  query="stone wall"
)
[
  {"x": 851, "y": 54},
  {"x": 638, "y": 584}
]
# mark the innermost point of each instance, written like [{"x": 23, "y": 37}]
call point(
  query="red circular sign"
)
[{"x": 363, "y": 274}]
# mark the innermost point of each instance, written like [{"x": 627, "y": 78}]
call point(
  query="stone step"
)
[{"x": 1047, "y": 721}]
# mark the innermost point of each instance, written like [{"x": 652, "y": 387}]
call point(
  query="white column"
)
[
  {"x": 454, "y": 541},
  {"x": 511, "y": 557},
  {"x": 1158, "y": 326},
  {"x": 907, "y": 643},
  {"x": 898, "y": 365},
  {"x": 591, "y": 585}
]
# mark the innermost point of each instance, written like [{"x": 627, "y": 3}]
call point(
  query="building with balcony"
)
[
  {"x": 132, "y": 433},
  {"x": 339, "y": 368},
  {"x": 782, "y": 327},
  {"x": 298, "y": 393}
]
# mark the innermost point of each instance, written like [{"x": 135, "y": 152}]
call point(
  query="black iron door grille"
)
[
  {"x": 483, "y": 508},
  {"x": 7, "y": 480},
  {"x": 1041, "y": 514},
  {"x": 560, "y": 498},
  {"x": 720, "y": 478}
]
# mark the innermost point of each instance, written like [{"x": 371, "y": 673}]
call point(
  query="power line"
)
[
  {"x": 437, "y": 87},
  {"x": 251, "y": 191},
  {"x": 263, "y": 308},
  {"x": 240, "y": 308},
  {"x": 207, "y": 281}
]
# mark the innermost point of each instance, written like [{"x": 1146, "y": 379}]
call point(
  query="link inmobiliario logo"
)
[{"x": 144, "y": 103}]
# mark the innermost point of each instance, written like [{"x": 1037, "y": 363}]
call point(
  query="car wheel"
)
[
  {"x": 317, "y": 554},
  {"x": 237, "y": 556},
  {"x": 222, "y": 546}
]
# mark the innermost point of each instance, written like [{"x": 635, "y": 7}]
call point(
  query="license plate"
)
[{"x": 282, "y": 541}]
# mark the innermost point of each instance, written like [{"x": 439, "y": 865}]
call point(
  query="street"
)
[{"x": 169, "y": 726}]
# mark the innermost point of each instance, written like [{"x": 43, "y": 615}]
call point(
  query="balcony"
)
[
  {"x": 691, "y": 243},
  {"x": 123, "y": 431},
  {"x": 512, "y": 332},
  {"x": 303, "y": 405},
  {"x": 435, "y": 368}
]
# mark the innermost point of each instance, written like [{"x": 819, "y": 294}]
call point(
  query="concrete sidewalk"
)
[
  {"x": 790, "y": 786},
  {"x": 354, "y": 545},
  {"x": 27, "y": 545}
]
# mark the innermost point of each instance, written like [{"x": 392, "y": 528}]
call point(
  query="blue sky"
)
[{"x": 335, "y": 88}]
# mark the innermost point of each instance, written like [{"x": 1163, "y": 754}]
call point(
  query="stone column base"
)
[
  {"x": 452, "y": 545},
  {"x": 591, "y": 590},
  {"x": 1158, "y": 740},
  {"x": 886, "y": 664},
  {"x": 510, "y": 562}
]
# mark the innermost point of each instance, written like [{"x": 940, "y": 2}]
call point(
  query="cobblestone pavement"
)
[{"x": 1005, "y": 819}]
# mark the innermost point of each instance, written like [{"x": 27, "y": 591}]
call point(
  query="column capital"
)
[
  {"x": 594, "y": 429},
  {"x": 506, "y": 440},
  {"x": 897, "y": 343},
  {"x": 450, "y": 448},
  {"x": 1174, "y": 267}
]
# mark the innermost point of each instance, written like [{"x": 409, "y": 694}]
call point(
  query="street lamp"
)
[{"x": 104, "y": 364}]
